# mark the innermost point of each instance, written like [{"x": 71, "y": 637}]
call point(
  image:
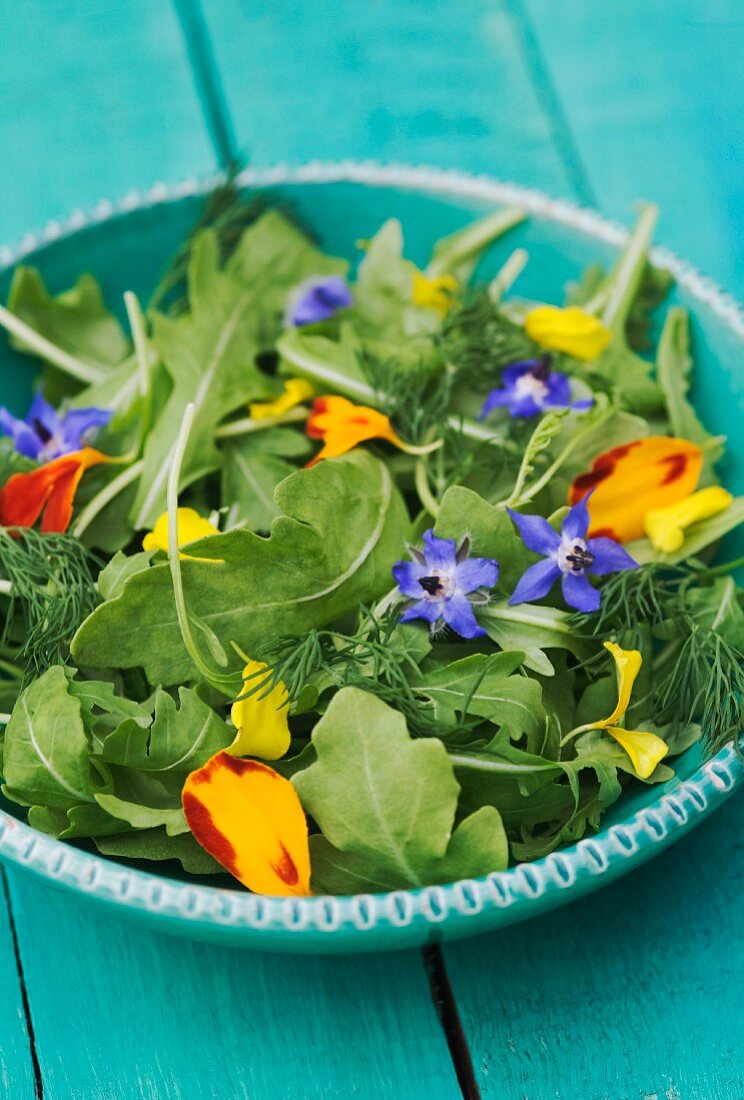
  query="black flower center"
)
[
  {"x": 431, "y": 585},
  {"x": 580, "y": 558},
  {"x": 43, "y": 433},
  {"x": 541, "y": 369}
]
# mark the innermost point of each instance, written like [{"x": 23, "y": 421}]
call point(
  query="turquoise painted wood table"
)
[{"x": 631, "y": 994}]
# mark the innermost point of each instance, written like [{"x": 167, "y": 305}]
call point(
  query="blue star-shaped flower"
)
[
  {"x": 530, "y": 388},
  {"x": 44, "y": 434},
  {"x": 317, "y": 299},
  {"x": 569, "y": 556},
  {"x": 444, "y": 583}
]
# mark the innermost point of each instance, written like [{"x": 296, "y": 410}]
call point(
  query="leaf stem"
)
[
  {"x": 139, "y": 338},
  {"x": 426, "y": 496},
  {"x": 628, "y": 271},
  {"x": 247, "y": 426},
  {"x": 508, "y": 274},
  {"x": 483, "y": 763},
  {"x": 106, "y": 495},
  {"x": 76, "y": 368},
  {"x": 6, "y": 588}
]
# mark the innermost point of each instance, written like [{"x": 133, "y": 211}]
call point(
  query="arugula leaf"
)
[
  {"x": 235, "y": 311},
  {"x": 386, "y": 804},
  {"x": 114, "y": 575},
  {"x": 492, "y": 533},
  {"x": 383, "y": 288},
  {"x": 251, "y": 470},
  {"x": 156, "y": 845},
  {"x": 76, "y": 320},
  {"x": 673, "y": 367},
  {"x": 341, "y": 532},
  {"x": 46, "y": 753},
  {"x": 484, "y": 686},
  {"x": 532, "y": 629}
]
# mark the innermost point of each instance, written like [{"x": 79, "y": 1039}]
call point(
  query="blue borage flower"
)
[
  {"x": 317, "y": 299},
  {"x": 44, "y": 435},
  {"x": 531, "y": 387},
  {"x": 569, "y": 556},
  {"x": 444, "y": 583}
]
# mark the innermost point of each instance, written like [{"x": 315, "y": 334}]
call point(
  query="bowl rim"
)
[{"x": 588, "y": 862}]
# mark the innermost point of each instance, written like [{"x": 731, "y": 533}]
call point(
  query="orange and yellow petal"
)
[
  {"x": 260, "y": 719},
  {"x": 296, "y": 390},
  {"x": 645, "y": 750},
  {"x": 634, "y": 479},
  {"x": 342, "y": 425},
  {"x": 666, "y": 527},
  {"x": 48, "y": 492},
  {"x": 191, "y": 528},
  {"x": 570, "y": 330},
  {"x": 250, "y": 819}
]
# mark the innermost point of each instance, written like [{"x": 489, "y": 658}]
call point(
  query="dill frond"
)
[
  {"x": 415, "y": 397},
  {"x": 53, "y": 589},
  {"x": 370, "y": 660},
  {"x": 479, "y": 340}
]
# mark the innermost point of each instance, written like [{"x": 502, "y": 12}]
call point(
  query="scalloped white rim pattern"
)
[{"x": 589, "y": 858}]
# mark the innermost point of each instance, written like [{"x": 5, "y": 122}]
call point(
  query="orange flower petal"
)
[
  {"x": 342, "y": 425},
  {"x": 249, "y": 818},
  {"x": 49, "y": 490},
  {"x": 636, "y": 478}
]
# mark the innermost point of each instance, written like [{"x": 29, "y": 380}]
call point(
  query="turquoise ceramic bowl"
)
[{"x": 125, "y": 245}]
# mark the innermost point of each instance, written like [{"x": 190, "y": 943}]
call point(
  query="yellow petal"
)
[
  {"x": 261, "y": 720},
  {"x": 434, "y": 293},
  {"x": 568, "y": 330},
  {"x": 644, "y": 749},
  {"x": 666, "y": 527},
  {"x": 191, "y": 527},
  {"x": 628, "y": 664},
  {"x": 249, "y": 818},
  {"x": 296, "y": 390},
  {"x": 628, "y": 481}
]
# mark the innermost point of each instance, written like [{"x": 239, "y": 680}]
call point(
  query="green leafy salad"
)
[{"x": 349, "y": 582}]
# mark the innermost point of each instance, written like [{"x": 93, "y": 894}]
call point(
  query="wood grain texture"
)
[
  {"x": 421, "y": 81},
  {"x": 16, "y": 1066},
  {"x": 95, "y": 99},
  {"x": 121, "y": 1013},
  {"x": 634, "y": 993},
  {"x": 655, "y": 100}
]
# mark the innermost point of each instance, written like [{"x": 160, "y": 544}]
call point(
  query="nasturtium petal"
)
[
  {"x": 645, "y": 750},
  {"x": 666, "y": 527},
  {"x": 260, "y": 719},
  {"x": 249, "y": 818},
  {"x": 191, "y": 527},
  {"x": 636, "y": 478},
  {"x": 569, "y": 330},
  {"x": 48, "y": 491}
]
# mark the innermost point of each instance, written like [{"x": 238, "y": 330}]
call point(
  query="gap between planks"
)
[{"x": 38, "y": 1080}]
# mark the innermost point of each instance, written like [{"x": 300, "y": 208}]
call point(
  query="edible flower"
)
[
  {"x": 666, "y": 527},
  {"x": 644, "y": 749},
  {"x": 569, "y": 330},
  {"x": 444, "y": 582},
  {"x": 435, "y": 293},
  {"x": 530, "y": 387},
  {"x": 342, "y": 425},
  {"x": 261, "y": 718},
  {"x": 44, "y": 435},
  {"x": 634, "y": 479},
  {"x": 296, "y": 390},
  {"x": 249, "y": 818},
  {"x": 191, "y": 527},
  {"x": 317, "y": 299},
  {"x": 48, "y": 492},
  {"x": 569, "y": 556}
]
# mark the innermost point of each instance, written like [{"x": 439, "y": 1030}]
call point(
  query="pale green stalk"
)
[
  {"x": 6, "y": 588},
  {"x": 628, "y": 272},
  {"x": 106, "y": 495},
  {"x": 139, "y": 338},
  {"x": 247, "y": 426},
  {"x": 426, "y": 496},
  {"x": 508, "y": 274},
  {"x": 483, "y": 764},
  {"x": 76, "y": 368}
]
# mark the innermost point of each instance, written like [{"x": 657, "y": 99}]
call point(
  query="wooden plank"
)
[
  {"x": 655, "y": 99},
  {"x": 121, "y": 1012},
  {"x": 633, "y": 993},
  {"x": 427, "y": 81},
  {"x": 96, "y": 99},
  {"x": 16, "y": 1062}
]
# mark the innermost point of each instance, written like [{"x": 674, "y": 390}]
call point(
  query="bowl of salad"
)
[{"x": 368, "y": 551}]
